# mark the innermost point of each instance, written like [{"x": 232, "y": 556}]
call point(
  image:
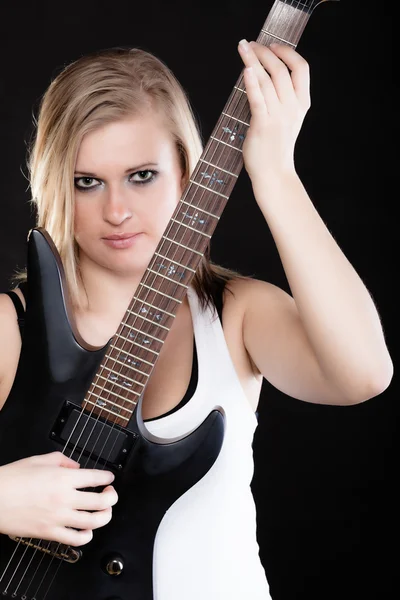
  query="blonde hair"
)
[{"x": 96, "y": 89}]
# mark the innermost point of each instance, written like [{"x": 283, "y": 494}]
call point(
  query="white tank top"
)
[{"x": 206, "y": 546}]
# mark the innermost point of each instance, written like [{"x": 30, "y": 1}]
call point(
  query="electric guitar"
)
[{"x": 86, "y": 402}]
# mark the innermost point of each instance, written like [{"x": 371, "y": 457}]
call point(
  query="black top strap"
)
[
  {"x": 19, "y": 307},
  {"x": 23, "y": 286}
]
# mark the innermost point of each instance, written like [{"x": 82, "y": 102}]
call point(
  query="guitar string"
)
[
  {"x": 195, "y": 172},
  {"x": 119, "y": 372},
  {"x": 203, "y": 193},
  {"x": 245, "y": 109},
  {"x": 179, "y": 226},
  {"x": 28, "y": 565}
]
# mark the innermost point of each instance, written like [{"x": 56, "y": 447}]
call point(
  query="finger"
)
[
  {"x": 71, "y": 537},
  {"x": 55, "y": 458},
  {"x": 255, "y": 96},
  {"x": 94, "y": 500},
  {"x": 92, "y": 478},
  {"x": 67, "y": 462},
  {"x": 89, "y": 520},
  {"x": 267, "y": 87},
  {"x": 300, "y": 71},
  {"x": 277, "y": 70}
]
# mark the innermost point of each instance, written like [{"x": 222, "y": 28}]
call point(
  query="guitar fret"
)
[
  {"x": 287, "y": 21},
  {"x": 103, "y": 389},
  {"x": 192, "y": 228},
  {"x": 301, "y": 4},
  {"x": 124, "y": 352},
  {"x": 198, "y": 208},
  {"x": 239, "y": 89},
  {"x": 182, "y": 246},
  {"x": 142, "y": 310},
  {"x": 144, "y": 319},
  {"x": 111, "y": 412},
  {"x": 108, "y": 401},
  {"x": 136, "y": 344},
  {"x": 145, "y": 334},
  {"x": 220, "y": 169},
  {"x": 226, "y": 144},
  {"x": 221, "y": 154},
  {"x": 175, "y": 263},
  {"x": 278, "y": 38},
  {"x": 124, "y": 365},
  {"x": 167, "y": 278},
  {"x": 120, "y": 386},
  {"x": 154, "y": 307},
  {"x": 158, "y": 291},
  {"x": 236, "y": 119},
  {"x": 210, "y": 189}
]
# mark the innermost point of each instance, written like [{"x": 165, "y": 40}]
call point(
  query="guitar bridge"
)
[{"x": 54, "y": 549}]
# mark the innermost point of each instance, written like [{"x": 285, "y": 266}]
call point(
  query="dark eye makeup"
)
[{"x": 86, "y": 183}]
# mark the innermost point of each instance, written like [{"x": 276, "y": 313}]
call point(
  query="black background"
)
[{"x": 325, "y": 477}]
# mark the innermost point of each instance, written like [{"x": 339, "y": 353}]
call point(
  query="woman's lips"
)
[{"x": 125, "y": 240}]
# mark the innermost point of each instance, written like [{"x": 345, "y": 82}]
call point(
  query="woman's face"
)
[{"x": 128, "y": 181}]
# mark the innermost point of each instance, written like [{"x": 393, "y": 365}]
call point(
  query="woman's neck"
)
[{"x": 104, "y": 292}]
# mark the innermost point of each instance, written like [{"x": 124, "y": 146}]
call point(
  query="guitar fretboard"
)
[{"x": 133, "y": 352}]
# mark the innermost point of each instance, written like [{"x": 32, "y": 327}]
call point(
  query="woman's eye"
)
[
  {"x": 90, "y": 183},
  {"x": 85, "y": 183},
  {"x": 143, "y": 176}
]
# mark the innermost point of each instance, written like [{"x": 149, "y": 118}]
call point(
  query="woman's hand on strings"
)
[
  {"x": 41, "y": 497},
  {"x": 277, "y": 83}
]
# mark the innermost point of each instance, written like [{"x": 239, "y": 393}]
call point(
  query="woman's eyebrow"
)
[{"x": 129, "y": 170}]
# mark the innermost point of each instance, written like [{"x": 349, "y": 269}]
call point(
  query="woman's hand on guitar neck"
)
[
  {"x": 277, "y": 82},
  {"x": 41, "y": 497}
]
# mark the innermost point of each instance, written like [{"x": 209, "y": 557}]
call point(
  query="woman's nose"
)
[{"x": 116, "y": 207}]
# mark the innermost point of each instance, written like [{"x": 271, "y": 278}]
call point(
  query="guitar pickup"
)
[{"x": 90, "y": 435}]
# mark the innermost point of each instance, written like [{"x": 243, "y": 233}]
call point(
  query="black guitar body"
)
[{"x": 43, "y": 413}]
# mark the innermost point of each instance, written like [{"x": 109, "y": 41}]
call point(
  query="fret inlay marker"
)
[
  {"x": 171, "y": 270},
  {"x": 126, "y": 358},
  {"x": 150, "y": 313},
  {"x": 193, "y": 218},
  {"x": 234, "y": 132},
  {"x": 213, "y": 178},
  {"x": 116, "y": 379},
  {"x": 139, "y": 338}
]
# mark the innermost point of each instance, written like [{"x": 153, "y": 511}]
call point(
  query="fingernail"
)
[{"x": 244, "y": 44}]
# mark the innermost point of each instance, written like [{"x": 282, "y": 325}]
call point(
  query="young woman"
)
[{"x": 116, "y": 144}]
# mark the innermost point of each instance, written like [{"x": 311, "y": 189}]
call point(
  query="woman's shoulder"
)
[
  {"x": 7, "y": 307},
  {"x": 12, "y": 307},
  {"x": 243, "y": 290},
  {"x": 10, "y": 312},
  {"x": 10, "y": 343},
  {"x": 242, "y": 294},
  {"x": 19, "y": 292}
]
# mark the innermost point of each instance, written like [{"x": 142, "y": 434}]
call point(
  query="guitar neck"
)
[{"x": 134, "y": 350}]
